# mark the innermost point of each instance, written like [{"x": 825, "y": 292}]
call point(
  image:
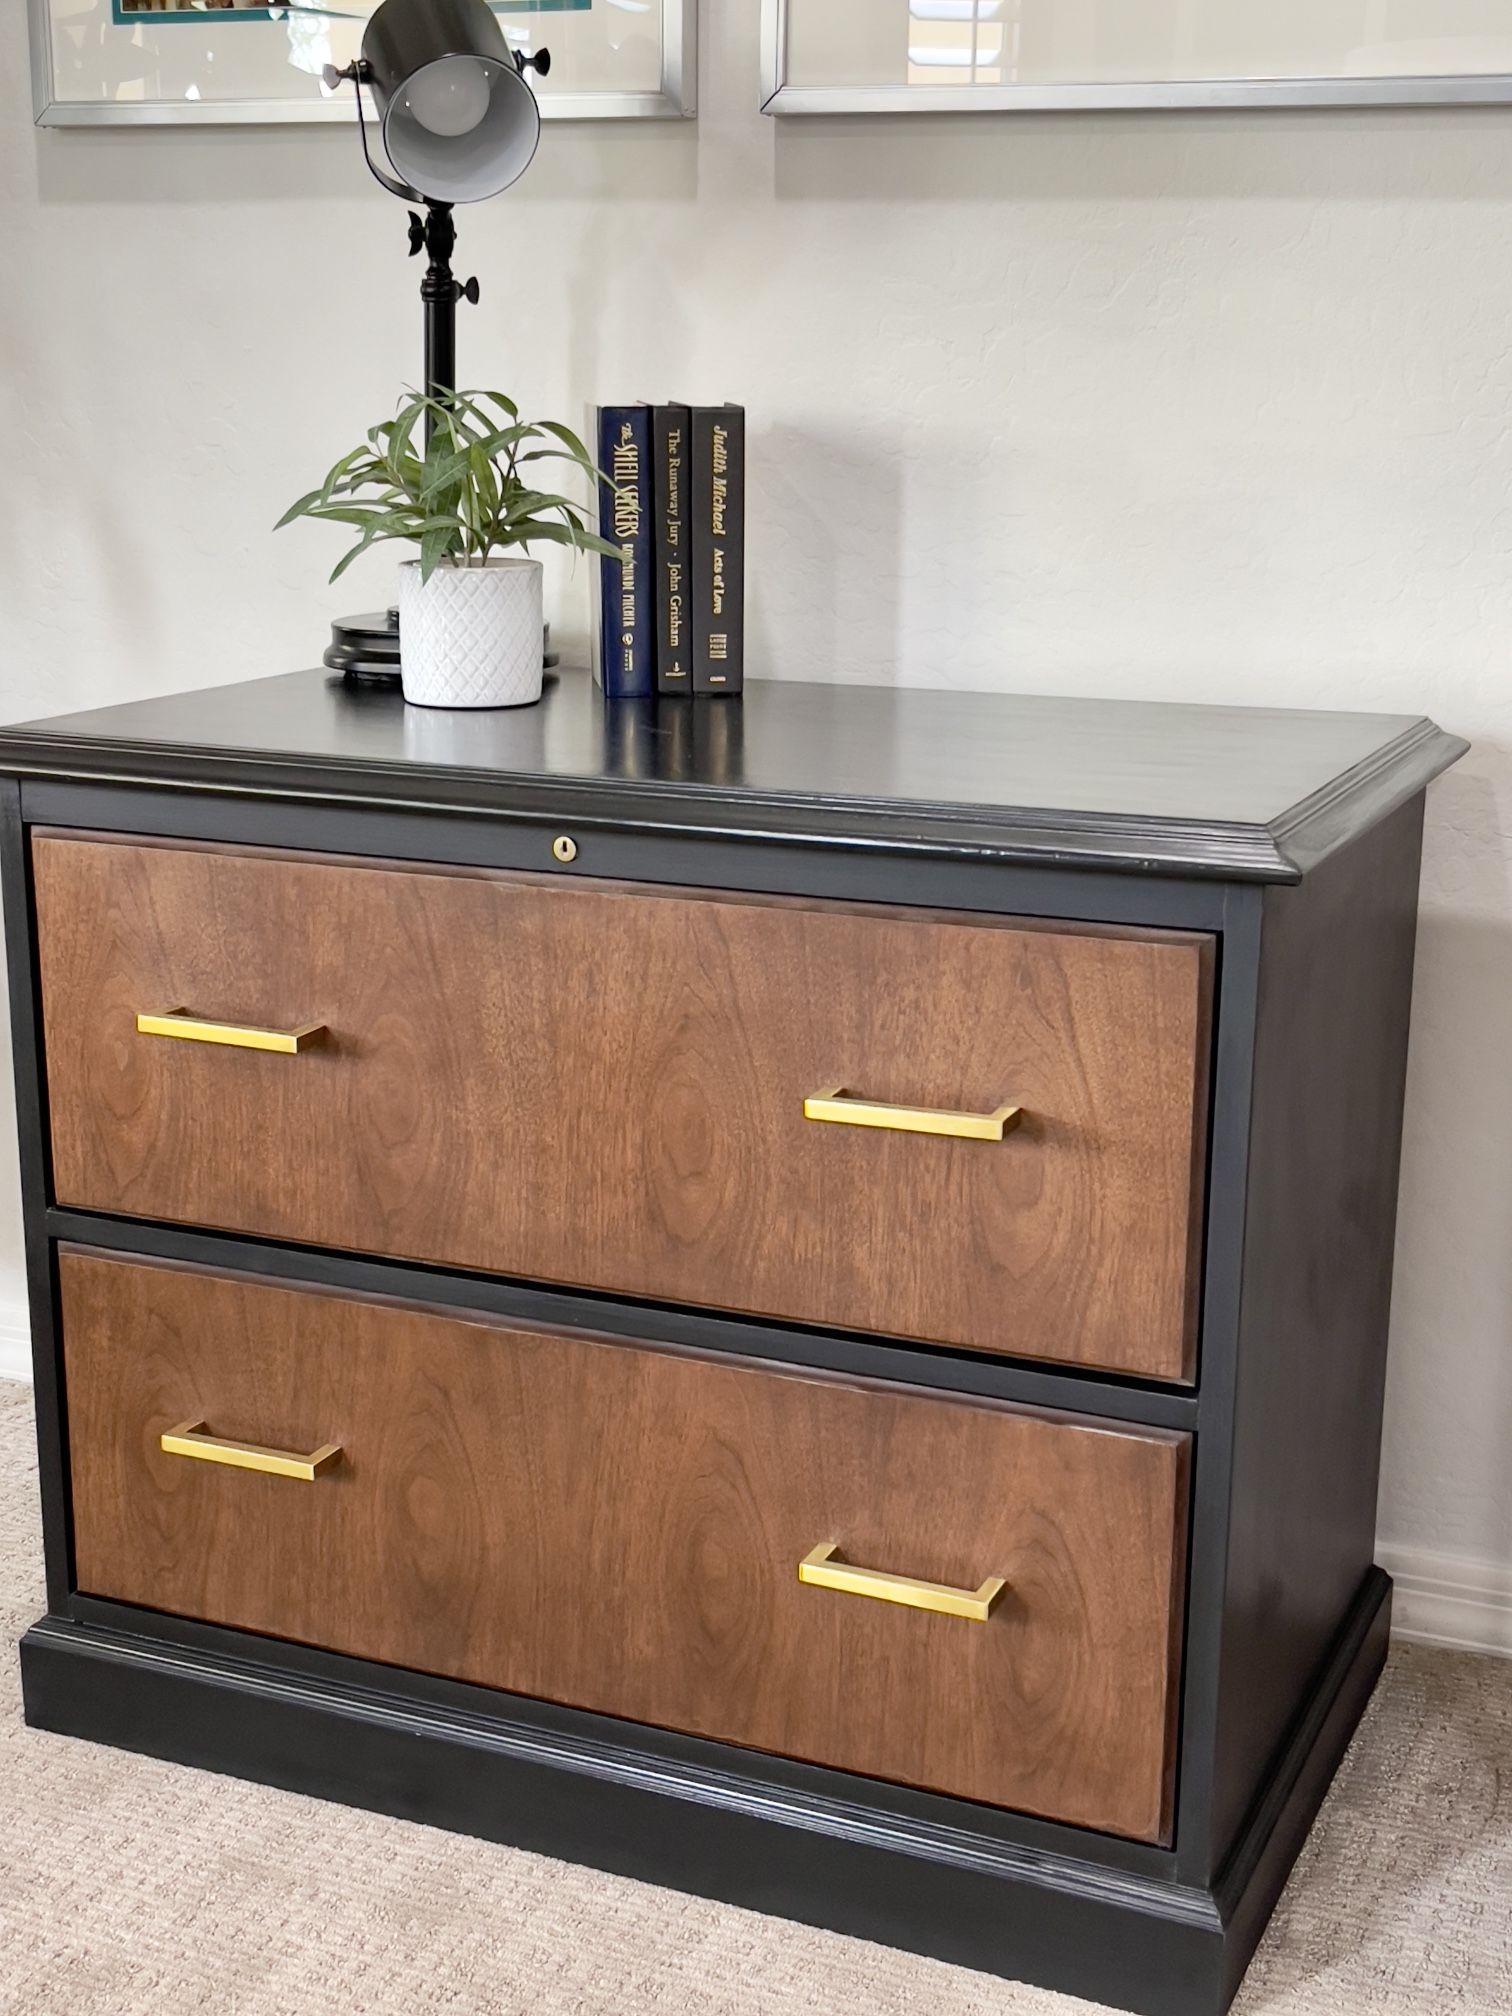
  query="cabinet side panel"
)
[
  {"x": 1325, "y": 1150},
  {"x": 31, "y": 1132}
]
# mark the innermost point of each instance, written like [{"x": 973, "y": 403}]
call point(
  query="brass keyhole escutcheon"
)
[{"x": 564, "y": 848}]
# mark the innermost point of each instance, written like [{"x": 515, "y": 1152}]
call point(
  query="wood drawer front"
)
[
  {"x": 619, "y": 1528},
  {"x": 604, "y": 1086}
]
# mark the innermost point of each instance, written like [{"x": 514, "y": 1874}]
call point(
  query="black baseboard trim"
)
[{"x": 1134, "y": 1942}]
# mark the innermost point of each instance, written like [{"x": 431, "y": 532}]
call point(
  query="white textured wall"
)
[{"x": 1206, "y": 407}]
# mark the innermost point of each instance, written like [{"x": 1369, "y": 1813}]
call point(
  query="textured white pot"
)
[{"x": 471, "y": 636}]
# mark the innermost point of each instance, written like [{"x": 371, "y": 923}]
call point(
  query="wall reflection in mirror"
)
[
  {"x": 963, "y": 42},
  {"x": 990, "y": 44}
]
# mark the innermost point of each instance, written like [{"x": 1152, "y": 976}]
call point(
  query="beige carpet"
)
[{"x": 130, "y": 1886}]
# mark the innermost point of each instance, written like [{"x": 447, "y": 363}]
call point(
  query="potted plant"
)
[{"x": 470, "y": 614}]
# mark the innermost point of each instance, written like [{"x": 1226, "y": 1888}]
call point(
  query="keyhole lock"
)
[{"x": 564, "y": 848}]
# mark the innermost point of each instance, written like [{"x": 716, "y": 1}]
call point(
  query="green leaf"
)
[
  {"x": 346, "y": 474},
  {"x": 527, "y": 529},
  {"x": 361, "y": 515},
  {"x": 434, "y": 547},
  {"x": 504, "y": 405},
  {"x": 450, "y": 467},
  {"x": 561, "y": 455},
  {"x": 487, "y": 494},
  {"x": 344, "y": 467},
  {"x": 298, "y": 510},
  {"x": 393, "y": 443},
  {"x": 368, "y": 539},
  {"x": 533, "y": 529},
  {"x": 529, "y": 503},
  {"x": 436, "y": 523},
  {"x": 565, "y": 435},
  {"x": 484, "y": 474}
]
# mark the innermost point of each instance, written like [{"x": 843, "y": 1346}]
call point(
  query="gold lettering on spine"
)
[
  {"x": 721, "y": 481},
  {"x": 675, "y": 541},
  {"x": 625, "y": 470},
  {"x": 719, "y": 526},
  {"x": 719, "y": 643}
]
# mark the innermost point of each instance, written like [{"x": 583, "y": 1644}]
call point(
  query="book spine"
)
[
  {"x": 627, "y": 621},
  {"x": 672, "y": 487},
  {"x": 719, "y": 510}
]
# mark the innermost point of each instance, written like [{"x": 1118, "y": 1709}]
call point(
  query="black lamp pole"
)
[{"x": 440, "y": 290}]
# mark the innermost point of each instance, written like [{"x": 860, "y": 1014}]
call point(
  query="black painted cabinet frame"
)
[{"x": 1287, "y": 1619}]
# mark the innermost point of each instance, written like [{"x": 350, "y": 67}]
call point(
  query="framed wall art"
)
[
  {"x": 161, "y": 62},
  {"x": 827, "y": 56}
]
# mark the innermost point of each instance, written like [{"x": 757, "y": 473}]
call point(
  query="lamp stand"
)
[
  {"x": 436, "y": 234},
  {"x": 365, "y": 649}
]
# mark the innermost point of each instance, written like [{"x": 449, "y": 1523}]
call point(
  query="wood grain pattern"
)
[
  {"x": 602, "y": 1086},
  {"x": 619, "y": 1528}
]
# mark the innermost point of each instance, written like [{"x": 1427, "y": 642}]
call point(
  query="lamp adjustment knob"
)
[
  {"x": 416, "y": 233},
  {"x": 471, "y": 292},
  {"x": 351, "y": 73}
]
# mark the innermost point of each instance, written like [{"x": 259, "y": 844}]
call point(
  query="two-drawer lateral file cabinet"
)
[{"x": 822, "y": 1343}]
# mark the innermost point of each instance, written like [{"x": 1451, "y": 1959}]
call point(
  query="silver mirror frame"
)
[
  {"x": 677, "y": 97},
  {"x": 783, "y": 99}
]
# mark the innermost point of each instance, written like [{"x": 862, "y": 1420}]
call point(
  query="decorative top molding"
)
[{"x": 1238, "y": 794}]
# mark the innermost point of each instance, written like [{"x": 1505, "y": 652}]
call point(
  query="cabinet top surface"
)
[{"x": 1248, "y": 793}]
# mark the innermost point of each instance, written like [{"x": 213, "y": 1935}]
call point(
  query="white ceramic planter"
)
[{"x": 471, "y": 636}]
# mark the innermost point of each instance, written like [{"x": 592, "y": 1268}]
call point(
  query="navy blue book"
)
[{"x": 626, "y": 664}]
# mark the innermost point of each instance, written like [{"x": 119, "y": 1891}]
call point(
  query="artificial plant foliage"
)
[{"x": 464, "y": 497}]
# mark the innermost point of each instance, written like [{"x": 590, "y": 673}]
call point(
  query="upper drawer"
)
[{"x": 605, "y": 1086}]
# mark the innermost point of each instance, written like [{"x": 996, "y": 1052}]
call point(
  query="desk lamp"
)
[{"x": 459, "y": 124}]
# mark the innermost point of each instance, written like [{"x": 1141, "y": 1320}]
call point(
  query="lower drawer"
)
[{"x": 621, "y": 1527}]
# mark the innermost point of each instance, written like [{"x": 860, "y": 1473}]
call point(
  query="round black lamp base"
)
[{"x": 365, "y": 650}]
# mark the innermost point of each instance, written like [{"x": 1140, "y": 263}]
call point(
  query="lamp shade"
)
[{"x": 459, "y": 121}]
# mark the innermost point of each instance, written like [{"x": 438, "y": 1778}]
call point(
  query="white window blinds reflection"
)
[{"x": 960, "y": 41}]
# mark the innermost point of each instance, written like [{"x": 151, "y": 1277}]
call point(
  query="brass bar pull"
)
[
  {"x": 846, "y": 1110},
  {"x": 823, "y": 1571},
  {"x": 187, "y": 1028},
  {"x": 190, "y": 1439}
]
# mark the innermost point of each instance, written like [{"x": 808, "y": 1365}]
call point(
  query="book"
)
[
  {"x": 626, "y": 657},
  {"x": 718, "y": 549},
  {"x": 672, "y": 470}
]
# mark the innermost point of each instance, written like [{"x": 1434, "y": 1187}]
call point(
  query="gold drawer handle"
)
[
  {"x": 822, "y": 1570},
  {"x": 846, "y": 1110},
  {"x": 190, "y": 1439},
  {"x": 187, "y": 1028}
]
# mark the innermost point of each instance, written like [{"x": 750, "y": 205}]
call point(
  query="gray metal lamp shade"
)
[{"x": 459, "y": 121}]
